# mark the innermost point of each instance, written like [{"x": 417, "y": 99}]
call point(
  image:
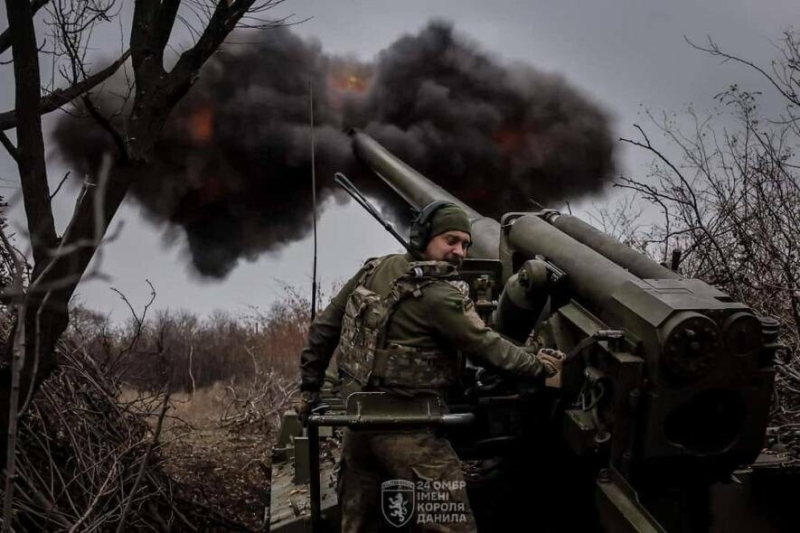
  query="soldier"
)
[{"x": 398, "y": 326}]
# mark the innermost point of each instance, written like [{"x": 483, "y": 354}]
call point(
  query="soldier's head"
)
[{"x": 442, "y": 232}]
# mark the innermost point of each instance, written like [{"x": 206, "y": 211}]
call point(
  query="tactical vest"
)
[{"x": 363, "y": 355}]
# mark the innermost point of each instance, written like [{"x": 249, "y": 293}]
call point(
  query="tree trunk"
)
[{"x": 33, "y": 177}]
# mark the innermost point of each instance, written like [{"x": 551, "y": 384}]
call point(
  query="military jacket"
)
[{"x": 442, "y": 319}]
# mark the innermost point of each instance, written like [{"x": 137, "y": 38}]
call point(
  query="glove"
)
[
  {"x": 308, "y": 400},
  {"x": 553, "y": 361}
]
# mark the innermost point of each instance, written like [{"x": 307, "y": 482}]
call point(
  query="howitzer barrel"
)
[
  {"x": 637, "y": 264},
  {"x": 415, "y": 188},
  {"x": 591, "y": 275},
  {"x": 419, "y": 191}
]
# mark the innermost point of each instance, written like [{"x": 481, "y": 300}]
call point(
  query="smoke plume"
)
[{"x": 233, "y": 167}]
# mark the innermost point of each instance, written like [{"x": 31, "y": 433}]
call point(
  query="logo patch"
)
[{"x": 397, "y": 501}]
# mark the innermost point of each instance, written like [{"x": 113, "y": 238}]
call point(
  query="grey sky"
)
[{"x": 627, "y": 54}]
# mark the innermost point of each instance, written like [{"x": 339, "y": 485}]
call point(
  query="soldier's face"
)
[{"x": 450, "y": 246}]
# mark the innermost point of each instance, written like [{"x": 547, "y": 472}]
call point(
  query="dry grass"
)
[{"x": 201, "y": 409}]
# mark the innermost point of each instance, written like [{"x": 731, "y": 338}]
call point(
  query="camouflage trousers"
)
[{"x": 377, "y": 465}]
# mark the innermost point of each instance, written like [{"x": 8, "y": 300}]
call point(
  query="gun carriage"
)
[{"x": 665, "y": 391}]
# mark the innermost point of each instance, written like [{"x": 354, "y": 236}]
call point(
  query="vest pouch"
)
[
  {"x": 409, "y": 367},
  {"x": 361, "y": 328}
]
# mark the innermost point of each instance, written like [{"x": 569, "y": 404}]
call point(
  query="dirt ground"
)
[{"x": 224, "y": 473}]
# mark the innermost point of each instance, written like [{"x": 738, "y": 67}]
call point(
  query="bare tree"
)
[{"x": 60, "y": 262}]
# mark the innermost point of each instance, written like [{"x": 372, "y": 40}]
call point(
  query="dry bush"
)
[
  {"x": 84, "y": 459},
  {"x": 259, "y": 405}
]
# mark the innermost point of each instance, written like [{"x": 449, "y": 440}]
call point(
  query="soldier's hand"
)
[
  {"x": 553, "y": 361},
  {"x": 308, "y": 400}
]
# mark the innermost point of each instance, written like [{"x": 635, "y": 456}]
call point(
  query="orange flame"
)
[
  {"x": 347, "y": 81},
  {"x": 201, "y": 125}
]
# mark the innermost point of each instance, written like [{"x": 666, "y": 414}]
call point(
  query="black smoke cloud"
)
[{"x": 233, "y": 167}]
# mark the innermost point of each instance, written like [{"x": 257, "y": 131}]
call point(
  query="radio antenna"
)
[{"x": 313, "y": 201}]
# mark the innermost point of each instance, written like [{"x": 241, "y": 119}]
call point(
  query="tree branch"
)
[
  {"x": 223, "y": 20},
  {"x": 60, "y": 184},
  {"x": 164, "y": 24},
  {"x": 9, "y": 146},
  {"x": 693, "y": 204},
  {"x": 105, "y": 123},
  {"x": 714, "y": 50},
  {"x": 5, "y": 37},
  {"x": 58, "y": 98}
]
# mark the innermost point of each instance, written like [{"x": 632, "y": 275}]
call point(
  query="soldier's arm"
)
[
  {"x": 454, "y": 318},
  {"x": 323, "y": 337}
]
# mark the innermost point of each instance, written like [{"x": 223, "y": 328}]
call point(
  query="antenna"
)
[
  {"x": 353, "y": 191},
  {"x": 313, "y": 201}
]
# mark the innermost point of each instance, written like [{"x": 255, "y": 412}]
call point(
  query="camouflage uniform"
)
[
  {"x": 371, "y": 457},
  {"x": 440, "y": 319}
]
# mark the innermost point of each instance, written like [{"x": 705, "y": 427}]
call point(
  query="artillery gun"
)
[{"x": 664, "y": 395}]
